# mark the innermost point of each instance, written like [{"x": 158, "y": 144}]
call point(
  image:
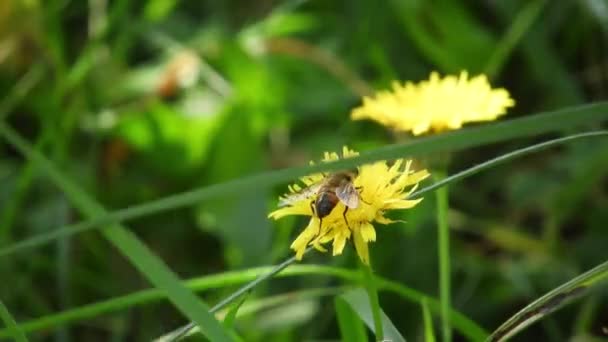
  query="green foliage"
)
[
  {"x": 187, "y": 119},
  {"x": 11, "y": 326}
]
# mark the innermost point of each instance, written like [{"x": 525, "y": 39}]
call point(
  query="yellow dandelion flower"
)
[
  {"x": 379, "y": 186},
  {"x": 436, "y": 105}
]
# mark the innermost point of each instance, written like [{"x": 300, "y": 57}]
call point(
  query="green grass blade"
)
[
  {"x": 551, "y": 302},
  {"x": 449, "y": 141},
  {"x": 429, "y": 335},
  {"x": 11, "y": 325},
  {"x": 128, "y": 244},
  {"x": 460, "y": 322},
  {"x": 351, "y": 327},
  {"x": 360, "y": 303}
]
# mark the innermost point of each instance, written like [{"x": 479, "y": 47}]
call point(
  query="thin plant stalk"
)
[
  {"x": 443, "y": 250},
  {"x": 374, "y": 303}
]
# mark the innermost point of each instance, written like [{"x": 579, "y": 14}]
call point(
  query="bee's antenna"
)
[{"x": 319, "y": 236}]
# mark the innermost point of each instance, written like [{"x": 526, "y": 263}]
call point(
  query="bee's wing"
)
[
  {"x": 348, "y": 194},
  {"x": 303, "y": 194}
]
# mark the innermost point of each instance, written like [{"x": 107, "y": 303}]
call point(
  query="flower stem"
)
[
  {"x": 443, "y": 247},
  {"x": 372, "y": 293}
]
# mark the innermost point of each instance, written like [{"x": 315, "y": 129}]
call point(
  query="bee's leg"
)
[
  {"x": 320, "y": 225},
  {"x": 344, "y": 215}
]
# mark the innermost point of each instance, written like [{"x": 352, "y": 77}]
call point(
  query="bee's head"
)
[
  {"x": 354, "y": 172},
  {"x": 350, "y": 174}
]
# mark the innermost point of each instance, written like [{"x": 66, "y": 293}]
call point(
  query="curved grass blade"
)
[
  {"x": 465, "y": 326},
  {"x": 503, "y": 159},
  {"x": 360, "y": 303},
  {"x": 437, "y": 143},
  {"x": 11, "y": 325},
  {"x": 132, "y": 248},
  {"x": 550, "y": 302}
]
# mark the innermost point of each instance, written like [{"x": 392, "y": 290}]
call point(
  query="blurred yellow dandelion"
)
[
  {"x": 379, "y": 186},
  {"x": 437, "y": 104}
]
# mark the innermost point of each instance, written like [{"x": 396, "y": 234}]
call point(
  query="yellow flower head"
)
[
  {"x": 436, "y": 104},
  {"x": 379, "y": 186}
]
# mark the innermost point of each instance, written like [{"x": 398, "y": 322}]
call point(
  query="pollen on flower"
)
[
  {"x": 380, "y": 187},
  {"x": 435, "y": 105}
]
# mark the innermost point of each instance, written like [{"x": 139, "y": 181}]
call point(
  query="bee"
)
[{"x": 334, "y": 188}]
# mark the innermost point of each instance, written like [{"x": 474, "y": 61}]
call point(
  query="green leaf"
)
[
  {"x": 453, "y": 141},
  {"x": 11, "y": 325},
  {"x": 351, "y": 326},
  {"x": 152, "y": 267},
  {"x": 359, "y": 302},
  {"x": 551, "y": 302}
]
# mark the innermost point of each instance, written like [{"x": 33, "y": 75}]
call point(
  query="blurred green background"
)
[{"x": 137, "y": 100}]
